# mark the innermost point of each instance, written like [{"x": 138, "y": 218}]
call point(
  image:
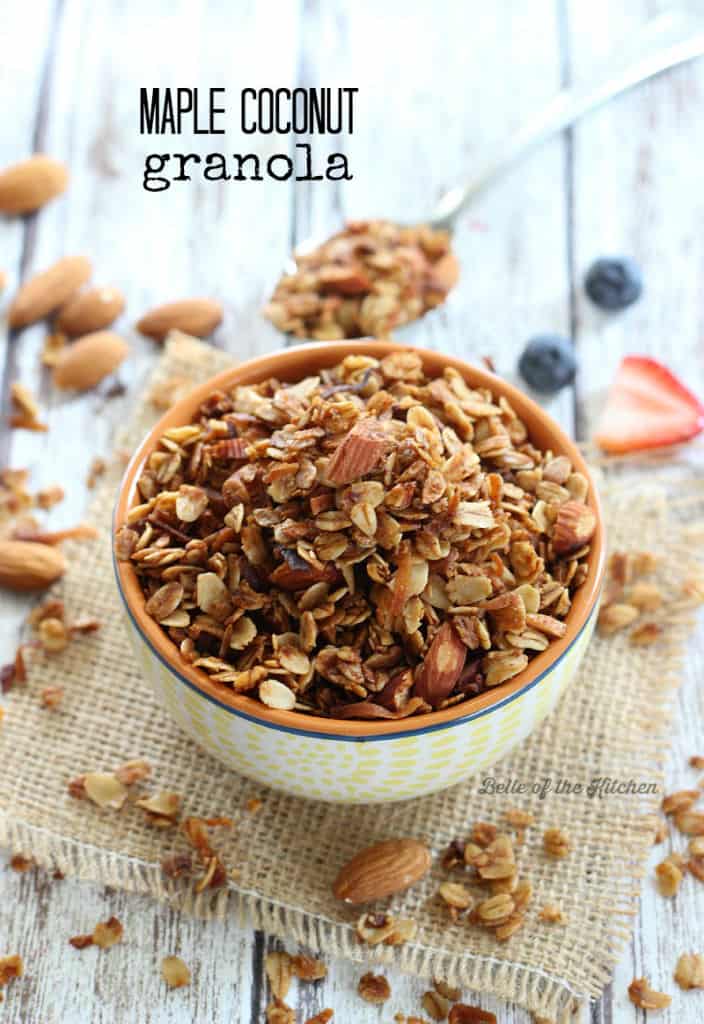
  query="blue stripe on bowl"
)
[{"x": 345, "y": 739}]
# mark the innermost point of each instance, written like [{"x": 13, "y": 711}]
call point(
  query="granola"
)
[
  {"x": 374, "y": 988},
  {"x": 175, "y": 972},
  {"x": 367, "y": 543},
  {"x": 366, "y": 280}
]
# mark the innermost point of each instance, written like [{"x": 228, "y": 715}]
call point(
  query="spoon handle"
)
[{"x": 666, "y": 40}]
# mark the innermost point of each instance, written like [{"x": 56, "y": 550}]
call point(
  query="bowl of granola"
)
[{"x": 358, "y": 572}]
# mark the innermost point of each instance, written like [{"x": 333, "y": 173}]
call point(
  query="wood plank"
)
[
  {"x": 638, "y": 165},
  {"x": 423, "y": 121}
]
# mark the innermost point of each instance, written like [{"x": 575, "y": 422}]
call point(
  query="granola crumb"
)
[
  {"x": 451, "y": 992},
  {"x": 374, "y": 988},
  {"x": 645, "y": 998},
  {"x": 696, "y": 761},
  {"x": 435, "y": 1005},
  {"x": 21, "y": 864},
  {"x": 277, "y": 966},
  {"x": 661, "y": 833},
  {"x": 551, "y": 914},
  {"x": 556, "y": 843},
  {"x": 95, "y": 471},
  {"x": 518, "y": 818},
  {"x": 463, "y": 1013},
  {"x": 104, "y": 935},
  {"x": 689, "y": 972},
  {"x": 254, "y": 804},
  {"x": 682, "y": 800},
  {"x": 50, "y": 496},
  {"x": 668, "y": 877},
  {"x": 307, "y": 968},
  {"x": 52, "y": 696},
  {"x": 175, "y": 972},
  {"x": 277, "y": 1012},
  {"x": 321, "y": 1018},
  {"x": 11, "y": 967}
]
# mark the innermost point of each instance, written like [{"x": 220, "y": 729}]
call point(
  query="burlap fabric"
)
[{"x": 612, "y": 724}]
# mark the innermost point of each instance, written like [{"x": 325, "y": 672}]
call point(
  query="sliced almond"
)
[
  {"x": 90, "y": 311},
  {"x": 85, "y": 363},
  {"x": 48, "y": 290},
  {"x": 199, "y": 317},
  {"x": 27, "y": 185},
  {"x": 28, "y": 566}
]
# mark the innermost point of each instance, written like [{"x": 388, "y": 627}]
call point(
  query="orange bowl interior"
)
[{"x": 290, "y": 365}]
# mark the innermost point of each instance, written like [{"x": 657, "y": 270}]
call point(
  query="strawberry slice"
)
[{"x": 647, "y": 407}]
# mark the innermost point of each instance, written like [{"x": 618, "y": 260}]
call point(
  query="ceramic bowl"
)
[{"x": 357, "y": 761}]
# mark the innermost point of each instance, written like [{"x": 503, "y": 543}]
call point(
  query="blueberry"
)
[
  {"x": 614, "y": 283},
  {"x": 548, "y": 363}
]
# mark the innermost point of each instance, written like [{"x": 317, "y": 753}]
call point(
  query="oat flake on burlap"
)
[{"x": 612, "y": 723}]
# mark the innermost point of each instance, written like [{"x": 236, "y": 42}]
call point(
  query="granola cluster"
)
[
  {"x": 365, "y": 543},
  {"x": 366, "y": 280}
]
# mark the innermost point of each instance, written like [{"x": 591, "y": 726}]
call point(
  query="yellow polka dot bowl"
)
[{"x": 357, "y": 761}]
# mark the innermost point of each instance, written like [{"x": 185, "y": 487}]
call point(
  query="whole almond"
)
[
  {"x": 90, "y": 311},
  {"x": 25, "y": 565},
  {"x": 574, "y": 526},
  {"x": 382, "y": 869},
  {"x": 199, "y": 317},
  {"x": 46, "y": 291},
  {"x": 30, "y": 184},
  {"x": 83, "y": 364},
  {"x": 442, "y": 666}
]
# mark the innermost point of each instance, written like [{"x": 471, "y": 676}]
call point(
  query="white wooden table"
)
[{"x": 438, "y": 83}]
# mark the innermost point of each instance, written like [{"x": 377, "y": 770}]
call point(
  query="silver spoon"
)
[{"x": 669, "y": 39}]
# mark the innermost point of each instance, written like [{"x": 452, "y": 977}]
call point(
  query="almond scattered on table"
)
[
  {"x": 198, "y": 317},
  {"x": 175, "y": 972},
  {"x": 31, "y": 183},
  {"x": 29, "y": 566},
  {"x": 87, "y": 361},
  {"x": 90, "y": 310},
  {"x": 380, "y": 870},
  {"x": 46, "y": 291}
]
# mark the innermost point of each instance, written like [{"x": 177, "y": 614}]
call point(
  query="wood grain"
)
[{"x": 435, "y": 93}]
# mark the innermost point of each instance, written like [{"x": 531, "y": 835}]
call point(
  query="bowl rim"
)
[{"x": 290, "y": 364}]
